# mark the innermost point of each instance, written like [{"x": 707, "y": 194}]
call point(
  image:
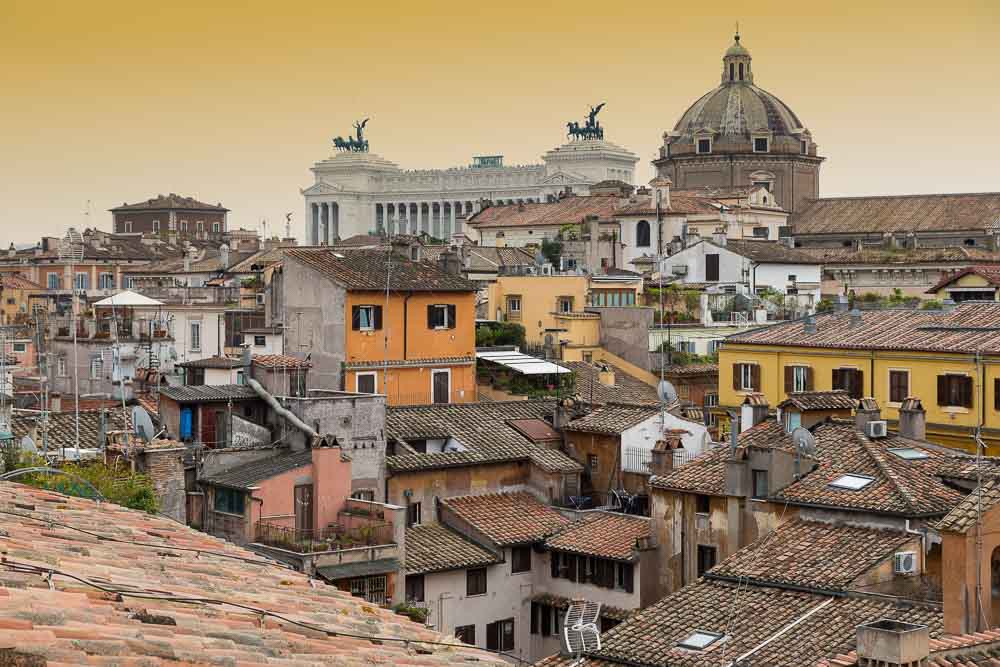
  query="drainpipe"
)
[{"x": 280, "y": 409}]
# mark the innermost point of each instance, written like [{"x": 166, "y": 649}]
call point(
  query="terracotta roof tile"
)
[
  {"x": 963, "y": 515},
  {"x": 768, "y": 252},
  {"x": 810, "y": 554},
  {"x": 691, "y": 369},
  {"x": 434, "y": 547},
  {"x": 568, "y": 210},
  {"x": 369, "y": 269},
  {"x": 507, "y": 518},
  {"x": 981, "y": 649},
  {"x": 171, "y": 201},
  {"x": 898, "y": 213},
  {"x": 219, "y": 362},
  {"x": 627, "y": 389},
  {"x": 604, "y": 535},
  {"x": 988, "y": 272},
  {"x": 69, "y": 622},
  {"x": 612, "y": 418},
  {"x": 880, "y": 256},
  {"x": 15, "y": 281},
  {"x": 838, "y": 399},
  {"x": 280, "y": 361}
]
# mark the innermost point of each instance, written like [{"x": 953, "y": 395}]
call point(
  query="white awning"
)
[
  {"x": 128, "y": 298},
  {"x": 522, "y": 363}
]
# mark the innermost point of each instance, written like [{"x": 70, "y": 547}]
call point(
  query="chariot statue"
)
[
  {"x": 355, "y": 144},
  {"x": 592, "y": 127}
]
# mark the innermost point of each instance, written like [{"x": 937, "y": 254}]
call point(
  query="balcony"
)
[{"x": 335, "y": 537}]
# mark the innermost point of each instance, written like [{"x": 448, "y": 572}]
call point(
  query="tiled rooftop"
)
[
  {"x": 988, "y": 272},
  {"x": 171, "y": 201},
  {"x": 62, "y": 427},
  {"x": 970, "y": 327},
  {"x": 879, "y": 256},
  {"x": 280, "y": 361},
  {"x": 838, "y": 399},
  {"x": 900, "y": 213},
  {"x": 208, "y": 392},
  {"x": 247, "y": 475},
  {"x": 627, "y": 389},
  {"x": 604, "y": 535},
  {"x": 763, "y": 622},
  {"x": 810, "y": 554},
  {"x": 566, "y": 211},
  {"x": 433, "y": 547},
  {"x": 613, "y": 418},
  {"x": 369, "y": 269},
  {"x": 149, "y": 591},
  {"x": 218, "y": 361},
  {"x": 507, "y": 518},
  {"x": 692, "y": 369},
  {"x": 483, "y": 428},
  {"x": 768, "y": 252},
  {"x": 981, "y": 649},
  {"x": 963, "y": 516}
]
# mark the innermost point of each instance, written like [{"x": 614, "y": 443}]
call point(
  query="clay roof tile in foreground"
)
[
  {"x": 507, "y": 518},
  {"x": 255, "y": 611}
]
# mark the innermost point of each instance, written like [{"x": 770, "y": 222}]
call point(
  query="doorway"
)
[
  {"x": 441, "y": 386},
  {"x": 304, "y": 508}
]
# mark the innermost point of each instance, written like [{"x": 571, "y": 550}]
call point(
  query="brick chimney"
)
[
  {"x": 912, "y": 419},
  {"x": 663, "y": 452},
  {"x": 868, "y": 410},
  {"x": 753, "y": 411}
]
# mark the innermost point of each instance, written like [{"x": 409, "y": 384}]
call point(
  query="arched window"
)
[
  {"x": 642, "y": 234},
  {"x": 741, "y": 71},
  {"x": 732, "y": 72}
]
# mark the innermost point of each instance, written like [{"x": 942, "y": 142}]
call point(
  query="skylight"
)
[
  {"x": 852, "y": 482},
  {"x": 699, "y": 640},
  {"x": 909, "y": 453}
]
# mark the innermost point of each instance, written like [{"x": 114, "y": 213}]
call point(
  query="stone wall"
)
[
  {"x": 165, "y": 468},
  {"x": 625, "y": 332}
]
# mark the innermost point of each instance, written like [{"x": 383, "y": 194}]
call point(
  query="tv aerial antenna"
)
[{"x": 581, "y": 632}]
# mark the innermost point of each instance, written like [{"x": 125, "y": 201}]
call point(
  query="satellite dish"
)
[
  {"x": 581, "y": 633},
  {"x": 666, "y": 391},
  {"x": 28, "y": 445},
  {"x": 805, "y": 441},
  {"x": 143, "y": 424}
]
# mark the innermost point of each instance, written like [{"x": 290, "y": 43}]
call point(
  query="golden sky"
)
[{"x": 112, "y": 101}]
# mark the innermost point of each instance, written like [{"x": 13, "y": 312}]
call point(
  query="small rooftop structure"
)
[
  {"x": 521, "y": 363},
  {"x": 127, "y": 299}
]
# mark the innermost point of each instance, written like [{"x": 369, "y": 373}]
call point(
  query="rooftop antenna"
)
[
  {"x": 71, "y": 251},
  {"x": 581, "y": 633}
]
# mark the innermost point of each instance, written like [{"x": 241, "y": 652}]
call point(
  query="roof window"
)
[
  {"x": 909, "y": 453},
  {"x": 852, "y": 482},
  {"x": 699, "y": 640}
]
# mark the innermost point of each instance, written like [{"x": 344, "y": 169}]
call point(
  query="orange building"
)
[
  {"x": 415, "y": 342},
  {"x": 18, "y": 296}
]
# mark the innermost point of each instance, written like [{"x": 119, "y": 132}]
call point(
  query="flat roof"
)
[{"x": 523, "y": 363}]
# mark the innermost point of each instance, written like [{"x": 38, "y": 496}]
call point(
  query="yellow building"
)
[
  {"x": 18, "y": 296},
  {"x": 981, "y": 283},
  {"x": 948, "y": 359}
]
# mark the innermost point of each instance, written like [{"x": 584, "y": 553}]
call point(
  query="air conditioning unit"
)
[
  {"x": 905, "y": 562},
  {"x": 679, "y": 269},
  {"x": 876, "y": 429}
]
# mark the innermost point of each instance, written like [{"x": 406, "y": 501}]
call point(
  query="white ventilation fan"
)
[
  {"x": 581, "y": 632},
  {"x": 805, "y": 441},
  {"x": 666, "y": 391}
]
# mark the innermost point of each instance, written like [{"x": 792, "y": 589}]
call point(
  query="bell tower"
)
[{"x": 736, "y": 63}]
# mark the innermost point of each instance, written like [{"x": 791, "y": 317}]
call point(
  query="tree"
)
[
  {"x": 552, "y": 251},
  {"x": 500, "y": 333}
]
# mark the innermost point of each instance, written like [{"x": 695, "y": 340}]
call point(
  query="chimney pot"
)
[
  {"x": 912, "y": 419},
  {"x": 892, "y": 643}
]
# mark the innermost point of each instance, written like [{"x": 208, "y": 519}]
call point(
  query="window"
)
[
  {"x": 260, "y": 341},
  {"x": 412, "y": 514},
  {"x": 592, "y": 463},
  {"x": 414, "y": 588},
  {"x": 687, "y": 346},
  {"x": 642, "y": 234},
  {"x": 798, "y": 378},
  {"x": 106, "y": 281},
  {"x": 200, "y": 225},
  {"x": 565, "y": 304},
  {"x": 128, "y": 226},
  {"x": 216, "y": 227},
  {"x": 545, "y": 619},
  {"x": 60, "y": 365},
  {"x": 746, "y": 377},
  {"x": 366, "y": 318},
  {"x": 702, "y": 504},
  {"x": 514, "y": 305},
  {"x": 53, "y": 281},
  {"x": 850, "y": 380},
  {"x": 82, "y": 281},
  {"x": 415, "y": 253},
  {"x": 704, "y": 146},
  {"x": 184, "y": 226},
  {"x": 713, "y": 347},
  {"x": 241, "y": 377},
  {"x": 760, "y": 233},
  {"x": 706, "y": 558},
  {"x": 364, "y": 494},
  {"x": 852, "y": 482},
  {"x": 792, "y": 277},
  {"x": 365, "y": 383},
  {"x": 909, "y": 453},
  {"x": 712, "y": 267},
  {"x": 711, "y": 400},
  {"x": 475, "y": 581},
  {"x": 195, "y": 342},
  {"x": 96, "y": 366},
  {"x": 899, "y": 386},
  {"x": 156, "y": 226},
  {"x": 441, "y": 386},
  {"x": 466, "y": 634},
  {"x": 195, "y": 377},
  {"x": 20, "y": 347},
  {"x": 954, "y": 390},
  {"x": 568, "y": 263},
  {"x": 759, "y": 484},
  {"x": 520, "y": 559},
  {"x": 804, "y": 147},
  {"x": 592, "y": 570},
  {"x": 441, "y": 316},
  {"x": 229, "y": 501},
  {"x": 760, "y": 144},
  {"x": 500, "y": 635},
  {"x": 699, "y": 640}
]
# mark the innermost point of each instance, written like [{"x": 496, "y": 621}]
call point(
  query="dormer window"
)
[
  {"x": 760, "y": 145},
  {"x": 704, "y": 146},
  {"x": 805, "y": 147}
]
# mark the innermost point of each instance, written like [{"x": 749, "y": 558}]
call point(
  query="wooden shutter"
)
[
  {"x": 430, "y": 317},
  {"x": 942, "y": 390},
  {"x": 838, "y": 379},
  {"x": 377, "y": 317},
  {"x": 809, "y": 379},
  {"x": 711, "y": 268},
  {"x": 996, "y": 393},
  {"x": 737, "y": 374},
  {"x": 451, "y": 316},
  {"x": 755, "y": 377},
  {"x": 571, "y": 561},
  {"x": 554, "y": 562},
  {"x": 493, "y": 636},
  {"x": 546, "y": 620},
  {"x": 356, "y": 317},
  {"x": 789, "y": 379},
  {"x": 859, "y": 384},
  {"x": 629, "y": 576},
  {"x": 534, "y": 618},
  {"x": 965, "y": 389}
]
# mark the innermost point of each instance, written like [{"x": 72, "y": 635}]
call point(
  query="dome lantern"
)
[{"x": 736, "y": 63}]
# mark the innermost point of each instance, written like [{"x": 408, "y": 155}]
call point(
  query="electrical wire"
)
[{"x": 48, "y": 573}]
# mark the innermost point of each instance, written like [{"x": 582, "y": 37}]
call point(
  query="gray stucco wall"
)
[
  {"x": 625, "y": 332},
  {"x": 314, "y": 322}
]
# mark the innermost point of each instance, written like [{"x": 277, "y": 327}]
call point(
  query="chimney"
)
[
  {"x": 867, "y": 411},
  {"x": 661, "y": 192},
  {"x": 753, "y": 411},
  {"x": 892, "y": 643},
  {"x": 843, "y": 303},
  {"x": 810, "y": 326},
  {"x": 55, "y": 402},
  {"x": 676, "y": 245},
  {"x": 663, "y": 453},
  {"x": 593, "y": 228},
  {"x": 855, "y": 318},
  {"x": 606, "y": 376},
  {"x": 187, "y": 261},
  {"x": 449, "y": 262},
  {"x": 719, "y": 237},
  {"x": 12, "y": 251},
  {"x": 224, "y": 255},
  {"x": 734, "y": 432},
  {"x": 912, "y": 419}
]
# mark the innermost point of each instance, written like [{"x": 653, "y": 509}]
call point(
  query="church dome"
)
[{"x": 739, "y": 117}]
